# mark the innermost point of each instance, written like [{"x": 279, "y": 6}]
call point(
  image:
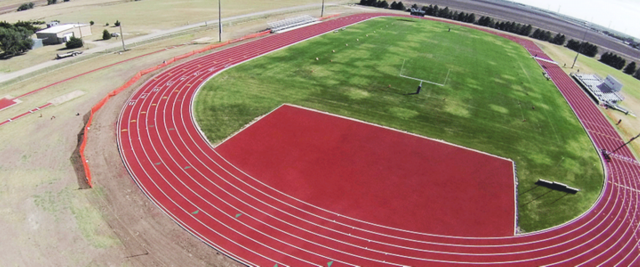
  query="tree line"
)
[
  {"x": 584, "y": 48},
  {"x": 383, "y": 4}
]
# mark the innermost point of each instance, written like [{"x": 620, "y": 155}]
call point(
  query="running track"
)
[{"x": 183, "y": 175}]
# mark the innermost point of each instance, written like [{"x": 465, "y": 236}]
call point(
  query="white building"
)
[{"x": 62, "y": 33}]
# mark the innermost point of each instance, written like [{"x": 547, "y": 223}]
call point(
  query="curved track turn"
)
[{"x": 178, "y": 170}]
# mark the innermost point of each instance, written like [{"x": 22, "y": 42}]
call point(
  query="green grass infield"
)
[{"x": 494, "y": 99}]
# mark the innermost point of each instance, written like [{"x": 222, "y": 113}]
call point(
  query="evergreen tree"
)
[
  {"x": 106, "y": 35},
  {"x": 630, "y": 69},
  {"x": 471, "y": 18}
]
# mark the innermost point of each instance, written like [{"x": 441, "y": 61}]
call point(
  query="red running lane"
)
[
  {"x": 376, "y": 174},
  {"x": 256, "y": 224}
]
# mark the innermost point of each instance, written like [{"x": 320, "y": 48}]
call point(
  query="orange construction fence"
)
[{"x": 137, "y": 77}]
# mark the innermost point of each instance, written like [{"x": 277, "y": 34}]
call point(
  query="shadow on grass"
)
[{"x": 5, "y": 56}]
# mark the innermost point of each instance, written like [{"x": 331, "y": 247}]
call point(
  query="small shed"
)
[
  {"x": 62, "y": 33},
  {"x": 37, "y": 43}
]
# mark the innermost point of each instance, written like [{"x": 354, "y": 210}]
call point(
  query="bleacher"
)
[
  {"x": 594, "y": 85},
  {"x": 285, "y": 24}
]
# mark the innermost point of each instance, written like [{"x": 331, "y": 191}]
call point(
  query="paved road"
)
[
  {"x": 26, "y": 71},
  {"x": 522, "y": 14}
]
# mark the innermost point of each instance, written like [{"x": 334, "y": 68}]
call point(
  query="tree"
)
[
  {"x": 52, "y": 2},
  {"x": 637, "y": 74},
  {"x": 393, "y": 5},
  {"x": 400, "y": 6},
  {"x": 106, "y": 35},
  {"x": 25, "y": 6},
  {"x": 15, "y": 40},
  {"x": 630, "y": 69},
  {"x": 74, "y": 43},
  {"x": 380, "y": 4},
  {"x": 91, "y": 23},
  {"x": 106, "y": 24},
  {"x": 559, "y": 39},
  {"x": 117, "y": 24},
  {"x": 471, "y": 18}
]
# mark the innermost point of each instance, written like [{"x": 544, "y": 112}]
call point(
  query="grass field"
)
[{"x": 487, "y": 103}]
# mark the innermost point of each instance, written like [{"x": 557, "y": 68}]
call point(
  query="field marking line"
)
[
  {"x": 545, "y": 229},
  {"x": 148, "y": 159},
  {"x": 420, "y": 80},
  {"x": 182, "y": 84},
  {"x": 594, "y": 205}
]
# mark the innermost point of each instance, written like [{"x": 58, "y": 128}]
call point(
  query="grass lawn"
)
[{"x": 487, "y": 103}]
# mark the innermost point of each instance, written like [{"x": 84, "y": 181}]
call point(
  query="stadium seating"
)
[{"x": 290, "y": 23}]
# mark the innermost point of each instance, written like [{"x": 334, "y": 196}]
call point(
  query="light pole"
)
[
  {"x": 219, "y": 22},
  {"x": 122, "y": 38},
  {"x": 322, "y": 12},
  {"x": 581, "y": 45},
  {"x": 623, "y": 145}
]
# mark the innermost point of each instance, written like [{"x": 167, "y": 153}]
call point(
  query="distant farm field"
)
[{"x": 494, "y": 99}]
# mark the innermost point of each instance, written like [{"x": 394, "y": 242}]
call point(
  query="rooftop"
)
[{"x": 61, "y": 28}]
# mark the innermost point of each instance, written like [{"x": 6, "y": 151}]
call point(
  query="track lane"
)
[{"x": 584, "y": 228}]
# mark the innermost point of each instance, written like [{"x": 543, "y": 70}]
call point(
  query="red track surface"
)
[
  {"x": 377, "y": 175},
  {"x": 178, "y": 170}
]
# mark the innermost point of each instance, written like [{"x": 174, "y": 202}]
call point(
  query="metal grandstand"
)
[
  {"x": 607, "y": 90},
  {"x": 290, "y": 23}
]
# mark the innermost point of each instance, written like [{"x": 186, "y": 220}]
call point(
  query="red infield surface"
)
[
  {"x": 376, "y": 174},
  {"x": 256, "y": 224}
]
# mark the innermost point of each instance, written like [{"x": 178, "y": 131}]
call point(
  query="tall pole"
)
[
  {"x": 623, "y": 145},
  {"x": 580, "y": 49},
  {"x": 322, "y": 12},
  {"x": 219, "y": 22},
  {"x": 122, "y": 38}
]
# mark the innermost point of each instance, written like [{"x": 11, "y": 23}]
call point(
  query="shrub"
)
[
  {"x": 91, "y": 23},
  {"x": 106, "y": 24},
  {"x": 74, "y": 43},
  {"x": 106, "y": 35},
  {"x": 52, "y": 2},
  {"x": 117, "y": 24},
  {"x": 26, "y": 6}
]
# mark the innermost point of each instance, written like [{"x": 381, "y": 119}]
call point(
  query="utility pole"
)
[
  {"x": 322, "y": 12},
  {"x": 580, "y": 49},
  {"x": 122, "y": 38},
  {"x": 219, "y": 22}
]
